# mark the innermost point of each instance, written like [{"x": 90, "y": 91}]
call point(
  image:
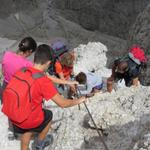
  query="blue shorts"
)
[{"x": 99, "y": 87}]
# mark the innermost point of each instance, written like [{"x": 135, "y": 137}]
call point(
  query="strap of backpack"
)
[
  {"x": 37, "y": 75},
  {"x": 24, "y": 69},
  {"x": 34, "y": 75}
]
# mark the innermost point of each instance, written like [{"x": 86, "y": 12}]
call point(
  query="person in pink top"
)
[{"x": 14, "y": 61}]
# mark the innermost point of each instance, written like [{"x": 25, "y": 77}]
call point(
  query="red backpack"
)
[
  {"x": 137, "y": 55},
  {"x": 17, "y": 95}
]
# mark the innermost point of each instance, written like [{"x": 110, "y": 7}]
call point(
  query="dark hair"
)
[
  {"x": 122, "y": 67},
  {"x": 43, "y": 54},
  {"x": 81, "y": 78},
  {"x": 26, "y": 44}
]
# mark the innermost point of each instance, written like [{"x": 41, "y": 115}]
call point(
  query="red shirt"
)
[
  {"x": 43, "y": 88},
  {"x": 67, "y": 71}
]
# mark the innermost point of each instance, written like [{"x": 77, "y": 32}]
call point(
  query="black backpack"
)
[{"x": 59, "y": 48}]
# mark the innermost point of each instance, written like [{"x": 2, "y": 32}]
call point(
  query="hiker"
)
[
  {"x": 124, "y": 70},
  {"x": 13, "y": 61},
  {"x": 129, "y": 67},
  {"x": 36, "y": 119},
  {"x": 63, "y": 58},
  {"x": 64, "y": 71},
  {"x": 62, "y": 65},
  {"x": 89, "y": 83}
]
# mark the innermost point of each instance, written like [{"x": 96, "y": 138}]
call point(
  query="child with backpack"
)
[
  {"x": 89, "y": 83},
  {"x": 64, "y": 70},
  {"x": 129, "y": 67},
  {"x": 25, "y": 109},
  {"x": 62, "y": 65}
]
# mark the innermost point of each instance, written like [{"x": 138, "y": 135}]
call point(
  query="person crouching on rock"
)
[{"x": 127, "y": 70}]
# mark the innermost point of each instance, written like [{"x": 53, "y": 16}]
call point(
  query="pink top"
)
[{"x": 11, "y": 63}]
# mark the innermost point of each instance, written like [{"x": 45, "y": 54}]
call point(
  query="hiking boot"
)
[
  {"x": 11, "y": 136},
  {"x": 40, "y": 145}
]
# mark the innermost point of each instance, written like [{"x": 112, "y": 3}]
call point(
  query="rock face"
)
[
  {"x": 113, "y": 17},
  {"x": 140, "y": 34},
  {"x": 140, "y": 31},
  {"x": 19, "y": 18}
]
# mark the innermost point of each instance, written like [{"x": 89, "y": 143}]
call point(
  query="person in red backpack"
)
[
  {"x": 39, "y": 120},
  {"x": 129, "y": 67}
]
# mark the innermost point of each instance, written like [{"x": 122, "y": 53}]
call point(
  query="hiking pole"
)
[
  {"x": 99, "y": 133},
  {"x": 79, "y": 107},
  {"x": 77, "y": 96}
]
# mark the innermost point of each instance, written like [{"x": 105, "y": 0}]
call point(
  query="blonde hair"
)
[{"x": 67, "y": 59}]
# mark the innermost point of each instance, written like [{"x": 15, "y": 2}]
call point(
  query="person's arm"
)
[
  {"x": 61, "y": 81},
  {"x": 61, "y": 75},
  {"x": 114, "y": 66},
  {"x": 113, "y": 71},
  {"x": 135, "y": 76},
  {"x": 64, "y": 103}
]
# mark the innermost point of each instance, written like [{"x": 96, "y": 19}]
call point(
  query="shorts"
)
[
  {"x": 48, "y": 115},
  {"x": 99, "y": 87}
]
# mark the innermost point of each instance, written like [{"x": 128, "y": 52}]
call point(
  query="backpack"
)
[
  {"x": 136, "y": 58},
  {"x": 59, "y": 48},
  {"x": 137, "y": 55},
  {"x": 17, "y": 95}
]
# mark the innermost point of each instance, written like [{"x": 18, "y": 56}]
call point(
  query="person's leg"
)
[
  {"x": 25, "y": 140},
  {"x": 128, "y": 80},
  {"x": 43, "y": 138},
  {"x": 11, "y": 135},
  {"x": 44, "y": 132}
]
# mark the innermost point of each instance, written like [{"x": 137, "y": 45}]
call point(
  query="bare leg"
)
[
  {"x": 25, "y": 140},
  {"x": 44, "y": 132}
]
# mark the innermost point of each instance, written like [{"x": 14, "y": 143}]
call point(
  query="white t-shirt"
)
[{"x": 93, "y": 80}]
